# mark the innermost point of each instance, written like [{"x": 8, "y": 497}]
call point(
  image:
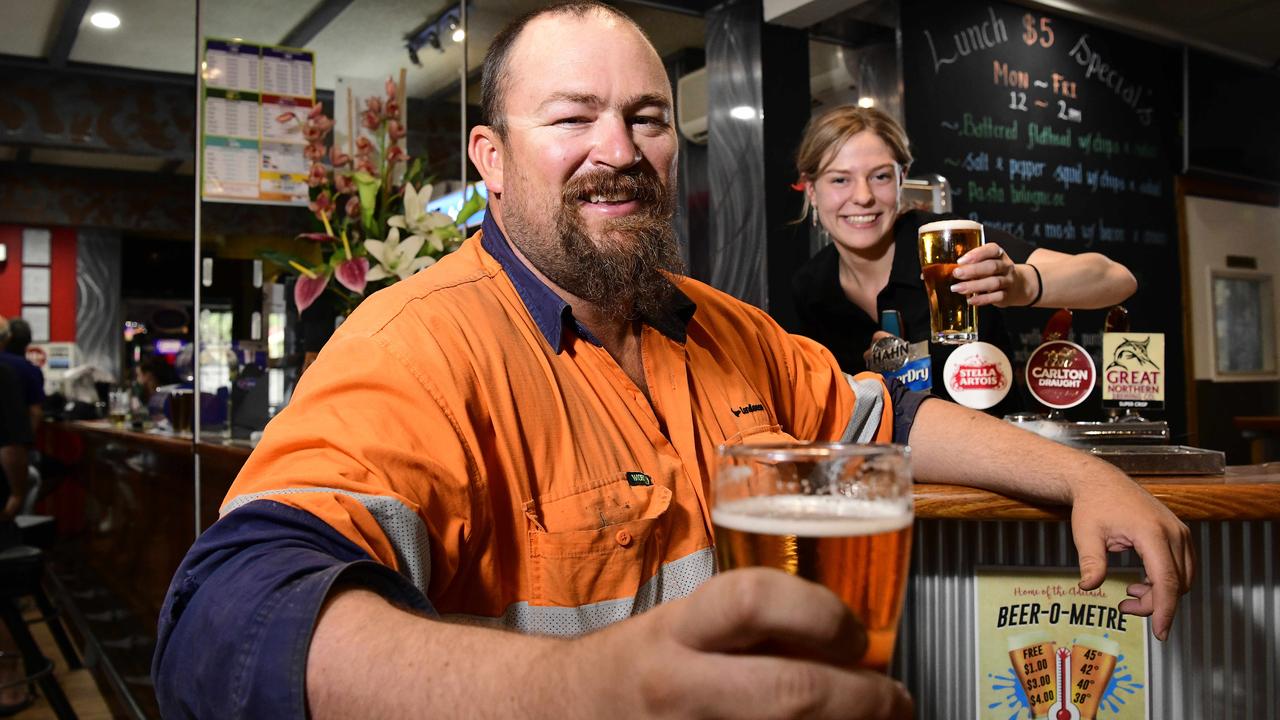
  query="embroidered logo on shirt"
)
[
  {"x": 638, "y": 478},
  {"x": 745, "y": 409}
]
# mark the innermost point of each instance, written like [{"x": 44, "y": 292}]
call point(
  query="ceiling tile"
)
[{"x": 26, "y": 26}]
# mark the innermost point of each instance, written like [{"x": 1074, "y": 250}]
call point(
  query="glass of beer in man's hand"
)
[
  {"x": 835, "y": 513},
  {"x": 951, "y": 318}
]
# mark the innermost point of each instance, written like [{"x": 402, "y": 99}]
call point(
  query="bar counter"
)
[
  {"x": 1249, "y": 492},
  {"x": 1225, "y": 645}
]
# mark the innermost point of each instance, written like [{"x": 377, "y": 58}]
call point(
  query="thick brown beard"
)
[{"x": 621, "y": 272}]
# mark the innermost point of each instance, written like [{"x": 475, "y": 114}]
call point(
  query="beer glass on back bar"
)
[
  {"x": 951, "y": 318},
  {"x": 834, "y": 513}
]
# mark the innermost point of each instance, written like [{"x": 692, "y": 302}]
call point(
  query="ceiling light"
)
[
  {"x": 866, "y": 102},
  {"x": 743, "y": 112},
  {"x": 105, "y": 20},
  {"x": 459, "y": 35}
]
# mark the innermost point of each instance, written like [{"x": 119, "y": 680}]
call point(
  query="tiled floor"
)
[{"x": 78, "y": 685}]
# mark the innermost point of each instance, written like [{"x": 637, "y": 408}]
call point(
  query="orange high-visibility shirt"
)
[{"x": 536, "y": 487}]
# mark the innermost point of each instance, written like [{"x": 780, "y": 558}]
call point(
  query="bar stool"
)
[
  {"x": 21, "y": 568},
  {"x": 38, "y": 531}
]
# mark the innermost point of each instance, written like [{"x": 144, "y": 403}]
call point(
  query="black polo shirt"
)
[
  {"x": 15, "y": 423},
  {"x": 831, "y": 318}
]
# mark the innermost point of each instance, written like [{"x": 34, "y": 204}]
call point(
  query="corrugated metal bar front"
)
[{"x": 1222, "y": 658}]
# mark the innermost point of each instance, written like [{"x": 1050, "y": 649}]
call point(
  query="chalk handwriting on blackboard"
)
[
  {"x": 1030, "y": 35},
  {"x": 983, "y": 36},
  {"x": 1096, "y": 69}
]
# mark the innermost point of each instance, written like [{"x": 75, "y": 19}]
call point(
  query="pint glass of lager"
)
[
  {"x": 952, "y": 319},
  {"x": 834, "y": 513}
]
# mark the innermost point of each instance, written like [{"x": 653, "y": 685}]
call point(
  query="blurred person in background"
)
[{"x": 15, "y": 334}]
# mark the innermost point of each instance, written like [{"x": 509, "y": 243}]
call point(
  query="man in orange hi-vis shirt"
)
[{"x": 521, "y": 438}]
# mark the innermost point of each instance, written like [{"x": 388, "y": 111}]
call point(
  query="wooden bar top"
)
[
  {"x": 1245, "y": 492},
  {"x": 1249, "y": 492}
]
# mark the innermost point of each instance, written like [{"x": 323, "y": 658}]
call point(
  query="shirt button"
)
[{"x": 623, "y": 537}]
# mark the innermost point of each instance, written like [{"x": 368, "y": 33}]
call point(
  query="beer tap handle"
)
[
  {"x": 1117, "y": 320},
  {"x": 1058, "y": 327},
  {"x": 891, "y": 322}
]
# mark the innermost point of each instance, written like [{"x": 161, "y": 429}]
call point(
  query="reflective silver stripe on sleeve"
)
[
  {"x": 404, "y": 529},
  {"x": 674, "y": 580},
  {"x": 867, "y": 408}
]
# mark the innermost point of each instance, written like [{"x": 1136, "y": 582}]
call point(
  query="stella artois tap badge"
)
[
  {"x": 978, "y": 375},
  {"x": 1060, "y": 374}
]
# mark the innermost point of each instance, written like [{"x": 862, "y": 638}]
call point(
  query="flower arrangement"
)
[{"x": 362, "y": 209}]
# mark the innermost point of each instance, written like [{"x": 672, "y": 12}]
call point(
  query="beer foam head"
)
[
  {"x": 1106, "y": 645},
  {"x": 945, "y": 225},
  {"x": 813, "y": 515},
  {"x": 1028, "y": 638}
]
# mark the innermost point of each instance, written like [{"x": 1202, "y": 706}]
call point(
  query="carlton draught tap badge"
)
[
  {"x": 1134, "y": 374},
  {"x": 1047, "y": 649},
  {"x": 1060, "y": 374}
]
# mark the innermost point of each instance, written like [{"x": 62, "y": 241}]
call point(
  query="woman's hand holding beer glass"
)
[{"x": 987, "y": 276}]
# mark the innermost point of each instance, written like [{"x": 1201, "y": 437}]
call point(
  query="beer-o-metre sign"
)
[{"x": 1047, "y": 649}]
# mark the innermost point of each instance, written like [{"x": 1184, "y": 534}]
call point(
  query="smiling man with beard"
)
[{"x": 522, "y": 438}]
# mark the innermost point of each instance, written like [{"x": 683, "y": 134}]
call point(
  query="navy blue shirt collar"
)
[{"x": 550, "y": 311}]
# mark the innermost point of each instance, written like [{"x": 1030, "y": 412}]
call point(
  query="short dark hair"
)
[
  {"x": 159, "y": 368},
  {"x": 19, "y": 336},
  {"x": 493, "y": 81}
]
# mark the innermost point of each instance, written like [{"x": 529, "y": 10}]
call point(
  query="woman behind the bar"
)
[{"x": 851, "y": 164}]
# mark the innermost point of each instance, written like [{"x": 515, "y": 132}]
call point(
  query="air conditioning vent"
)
[{"x": 691, "y": 106}]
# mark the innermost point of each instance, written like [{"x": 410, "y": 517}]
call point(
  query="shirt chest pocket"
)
[{"x": 598, "y": 543}]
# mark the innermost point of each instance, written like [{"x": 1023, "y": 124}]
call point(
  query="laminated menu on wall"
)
[{"x": 247, "y": 155}]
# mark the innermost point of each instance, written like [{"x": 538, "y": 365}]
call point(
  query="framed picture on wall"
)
[{"x": 1244, "y": 325}]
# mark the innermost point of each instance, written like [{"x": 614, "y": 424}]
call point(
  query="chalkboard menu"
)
[{"x": 1061, "y": 133}]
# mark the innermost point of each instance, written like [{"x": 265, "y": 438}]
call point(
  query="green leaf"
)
[
  {"x": 473, "y": 205},
  {"x": 368, "y": 185},
  {"x": 415, "y": 170},
  {"x": 281, "y": 258}
]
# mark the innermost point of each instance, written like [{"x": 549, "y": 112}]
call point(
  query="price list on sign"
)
[
  {"x": 1047, "y": 649},
  {"x": 248, "y": 156}
]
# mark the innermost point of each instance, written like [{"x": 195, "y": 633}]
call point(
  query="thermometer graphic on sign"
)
[{"x": 1066, "y": 711}]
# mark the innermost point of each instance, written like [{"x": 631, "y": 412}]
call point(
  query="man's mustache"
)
[{"x": 640, "y": 185}]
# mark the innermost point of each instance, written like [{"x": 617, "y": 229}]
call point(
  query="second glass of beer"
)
[
  {"x": 834, "y": 513},
  {"x": 951, "y": 318}
]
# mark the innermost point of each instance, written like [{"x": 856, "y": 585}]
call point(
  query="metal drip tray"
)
[
  {"x": 1089, "y": 434},
  {"x": 1162, "y": 459}
]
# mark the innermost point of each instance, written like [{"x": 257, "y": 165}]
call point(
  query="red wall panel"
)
[
  {"x": 62, "y": 280},
  {"x": 11, "y": 274}
]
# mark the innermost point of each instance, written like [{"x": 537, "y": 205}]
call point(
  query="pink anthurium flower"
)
[
  {"x": 352, "y": 274},
  {"x": 309, "y": 287}
]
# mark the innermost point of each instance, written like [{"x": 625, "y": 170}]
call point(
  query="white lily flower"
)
[
  {"x": 396, "y": 258},
  {"x": 416, "y": 219}
]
